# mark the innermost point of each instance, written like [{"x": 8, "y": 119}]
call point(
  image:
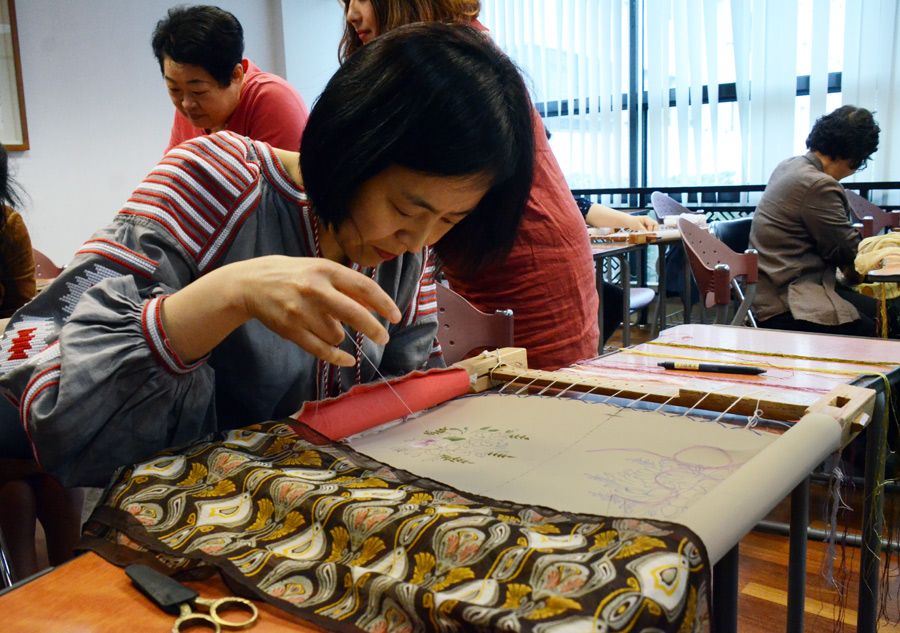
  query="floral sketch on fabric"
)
[{"x": 458, "y": 444}]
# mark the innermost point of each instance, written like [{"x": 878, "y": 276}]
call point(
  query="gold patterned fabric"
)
[{"x": 353, "y": 544}]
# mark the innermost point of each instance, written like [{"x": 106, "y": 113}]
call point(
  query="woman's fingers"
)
[
  {"x": 323, "y": 350},
  {"x": 330, "y": 318},
  {"x": 313, "y": 303},
  {"x": 369, "y": 294},
  {"x": 304, "y": 300},
  {"x": 647, "y": 223}
]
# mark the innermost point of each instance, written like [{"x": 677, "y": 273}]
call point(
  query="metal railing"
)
[{"x": 725, "y": 200}]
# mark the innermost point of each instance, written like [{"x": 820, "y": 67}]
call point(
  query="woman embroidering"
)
[
  {"x": 240, "y": 281},
  {"x": 548, "y": 279}
]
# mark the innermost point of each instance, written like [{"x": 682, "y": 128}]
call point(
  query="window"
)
[{"x": 677, "y": 92}]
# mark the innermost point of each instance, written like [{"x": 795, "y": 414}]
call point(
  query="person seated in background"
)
[
  {"x": 603, "y": 217},
  {"x": 802, "y": 232},
  {"x": 17, "y": 282},
  {"x": 200, "y": 53},
  {"x": 241, "y": 281},
  {"x": 27, "y": 494},
  {"x": 548, "y": 279}
]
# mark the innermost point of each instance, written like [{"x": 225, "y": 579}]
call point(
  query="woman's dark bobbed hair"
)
[
  {"x": 437, "y": 99},
  {"x": 847, "y": 133}
]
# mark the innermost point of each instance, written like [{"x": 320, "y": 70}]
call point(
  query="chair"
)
[
  {"x": 672, "y": 266},
  {"x": 873, "y": 218},
  {"x": 639, "y": 298},
  {"x": 664, "y": 205},
  {"x": 29, "y": 495},
  {"x": 716, "y": 269},
  {"x": 735, "y": 234},
  {"x": 44, "y": 268},
  {"x": 463, "y": 328}
]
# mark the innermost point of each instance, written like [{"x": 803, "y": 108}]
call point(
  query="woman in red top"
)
[{"x": 548, "y": 279}]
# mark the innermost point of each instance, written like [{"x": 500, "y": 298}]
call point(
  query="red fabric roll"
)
[{"x": 367, "y": 406}]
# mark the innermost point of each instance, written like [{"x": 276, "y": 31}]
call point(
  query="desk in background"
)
[
  {"x": 662, "y": 239},
  {"x": 620, "y": 252}
]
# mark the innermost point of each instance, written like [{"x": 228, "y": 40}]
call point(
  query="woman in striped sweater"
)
[{"x": 240, "y": 281}]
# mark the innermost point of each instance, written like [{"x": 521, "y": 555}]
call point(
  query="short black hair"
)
[
  {"x": 433, "y": 98},
  {"x": 9, "y": 195},
  {"x": 10, "y": 198},
  {"x": 201, "y": 35},
  {"x": 847, "y": 133}
]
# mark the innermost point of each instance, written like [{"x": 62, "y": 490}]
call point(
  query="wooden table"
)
[
  {"x": 665, "y": 237},
  {"x": 884, "y": 275},
  {"x": 619, "y": 251},
  {"x": 90, "y": 595}
]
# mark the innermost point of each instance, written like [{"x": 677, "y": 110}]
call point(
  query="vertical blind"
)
[
  {"x": 729, "y": 88},
  {"x": 575, "y": 55}
]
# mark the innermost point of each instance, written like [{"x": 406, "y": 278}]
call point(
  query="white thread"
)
[
  {"x": 754, "y": 419},
  {"x": 833, "y": 505},
  {"x": 541, "y": 392},
  {"x": 739, "y": 398},
  {"x": 534, "y": 380},
  {"x": 708, "y": 393},
  {"x": 657, "y": 409},
  {"x": 380, "y": 375},
  {"x": 560, "y": 394},
  {"x": 609, "y": 397},
  {"x": 497, "y": 365},
  {"x": 643, "y": 395}
]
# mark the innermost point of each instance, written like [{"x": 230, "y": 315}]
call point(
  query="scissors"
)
[{"x": 173, "y": 597}]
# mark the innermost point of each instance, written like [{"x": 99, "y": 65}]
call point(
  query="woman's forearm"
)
[{"x": 199, "y": 316}]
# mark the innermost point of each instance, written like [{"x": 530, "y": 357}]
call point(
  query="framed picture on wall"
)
[{"x": 13, "y": 129}]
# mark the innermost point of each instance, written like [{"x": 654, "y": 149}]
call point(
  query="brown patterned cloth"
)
[{"x": 352, "y": 544}]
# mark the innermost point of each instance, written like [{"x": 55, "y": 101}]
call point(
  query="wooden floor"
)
[
  {"x": 763, "y": 577},
  {"x": 763, "y": 568}
]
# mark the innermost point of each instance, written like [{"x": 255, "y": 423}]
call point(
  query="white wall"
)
[
  {"x": 312, "y": 32},
  {"x": 98, "y": 114}
]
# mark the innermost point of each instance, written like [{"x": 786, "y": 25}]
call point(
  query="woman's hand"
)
[
  {"x": 643, "y": 223},
  {"x": 302, "y": 299}
]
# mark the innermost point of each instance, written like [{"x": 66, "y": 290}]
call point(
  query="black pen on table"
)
[{"x": 712, "y": 367}]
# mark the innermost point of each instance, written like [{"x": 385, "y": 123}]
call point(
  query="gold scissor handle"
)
[
  {"x": 230, "y": 602},
  {"x": 188, "y": 619}
]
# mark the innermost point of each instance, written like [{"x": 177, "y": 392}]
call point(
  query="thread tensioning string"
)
[
  {"x": 750, "y": 422},
  {"x": 378, "y": 373}
]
